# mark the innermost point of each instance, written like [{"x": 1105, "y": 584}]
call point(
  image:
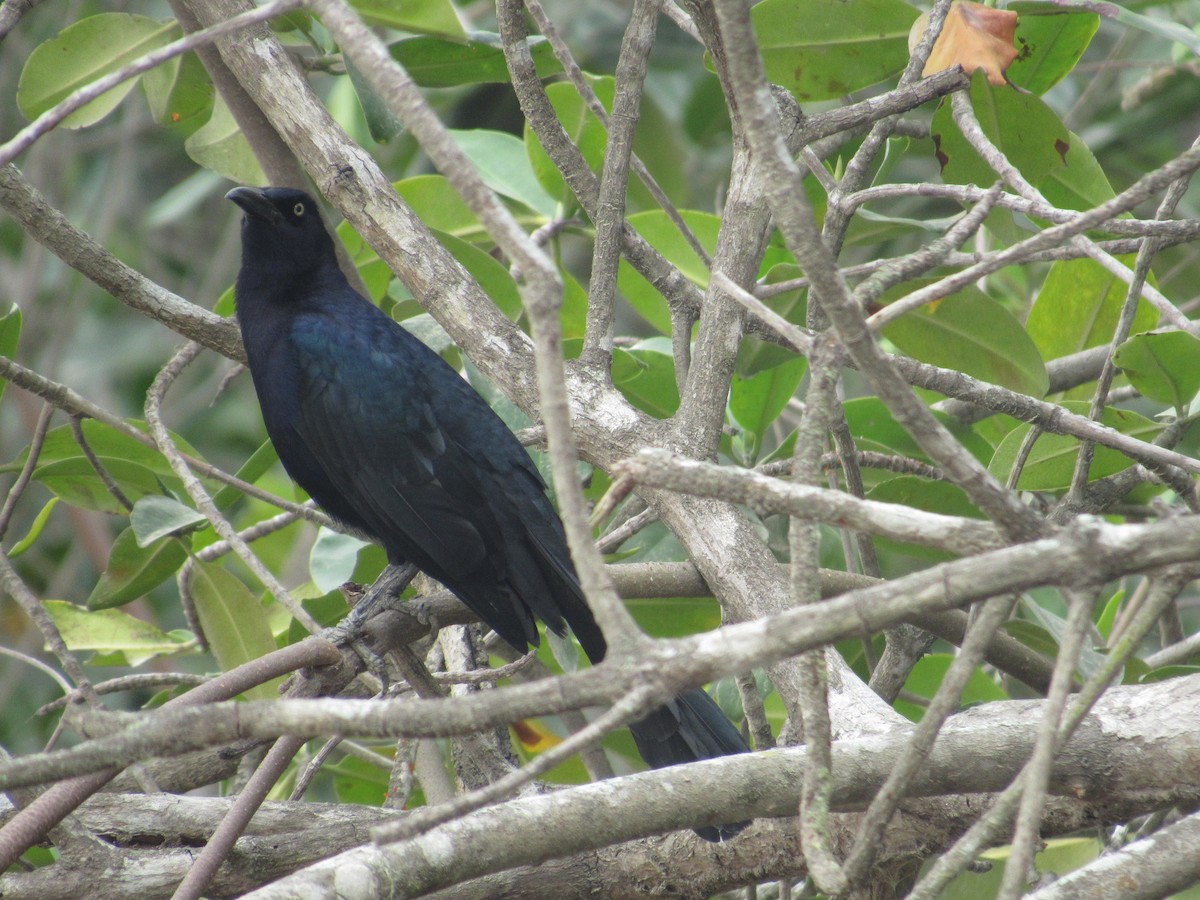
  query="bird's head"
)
[{"x": 282, "y": 227}]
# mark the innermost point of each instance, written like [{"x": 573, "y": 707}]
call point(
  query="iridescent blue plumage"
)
[{"x": 391, "y": 442}]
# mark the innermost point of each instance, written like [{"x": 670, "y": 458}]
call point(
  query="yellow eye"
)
[{"x": 298, "y": 209}]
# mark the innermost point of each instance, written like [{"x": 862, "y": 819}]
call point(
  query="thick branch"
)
[{"x": 1129, "y": 728}]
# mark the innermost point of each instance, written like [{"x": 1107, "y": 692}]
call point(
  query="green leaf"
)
[
  {"x": 755, "y": 355},
  {"x": 35, "y": 530},
  {"x": 1163, "y": 365},
  {"x": 179, "y": 93},
  {"x": 660, "y": 232},
  {"x": 725, "y": 692},
  {"x": 358, "y": 781},
  {"x": 729, "y": 698},
  {"x": 289, "y": 22},
  {"x": 493, "y": 277},
  {"x": 439, "y": 205},
  {"x": 10, "y": 335},
  {"x": 1025, "y": 129},
  {"x": 1081, "y": 183},
  {"x": 927, "y": 676},
  {"x": 220, "y": 147},
  {"x": 374, "y": 271},
  {"x": 757, "y": 401},
  {"x": 1051, "y": 41},
  {"x": 134, "y": 571},
  {"x": 234, "y": 622},
  {"x": 1090, "y": 659},
  {"x": 225, "y": 305},
  {"x": 565, "y": 650},
  {"x": 1159, "y": 27},
  {"x": 381, "y": 121},
  {"x": 1135, "y": 670},
  {"x": 574, "y": 310},
  {"x": 972, "y": 333},
  {"x": 437, "y": 62},
  {"x": 825, "y": 49},
  {"x": 928, "y": 496},
  {"x": 254, "y": 468},
  {"x": 333, "y": 558},
  {"x": 138, "y": 469},
  {"x": 1108, "y": 616},
  {"x": 1078, "y": 307},
  {"x": 668, "y": 617},
  {"x": 1165, "y": 672},
  {"x": 705, "y": 115},
  {"x": 85, "y": 52},
  {"x": 421, "y": 16},
  {"x": 646, "y": 376},
  {"x": 156, "y": 516},
  {"x": 111, "y": 631},
  {"x": 581, "y": 126},
  {"x": 504, "y": 166},
  {"x": 1035, "y": 637},
  {"x": 1051, "y": 462},
  {"x": 874, "y": 428},
  {"x": 429, "y": 332},
  {"x": 75, "y": 481}
]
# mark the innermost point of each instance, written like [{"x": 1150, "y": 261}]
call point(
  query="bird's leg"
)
[{"x": 387, "y": 588}]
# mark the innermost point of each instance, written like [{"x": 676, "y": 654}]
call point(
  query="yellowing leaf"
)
[
  {"x": 534, "y": 736},
  {"x": 975, "y": 37}
]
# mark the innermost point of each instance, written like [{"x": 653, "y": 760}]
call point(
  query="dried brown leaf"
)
[{"x": 974, "y": 36}]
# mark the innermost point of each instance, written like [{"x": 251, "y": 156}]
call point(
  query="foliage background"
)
[{"x": 1133, "y": 100}]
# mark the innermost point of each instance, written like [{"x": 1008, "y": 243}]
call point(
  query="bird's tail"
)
[
  {"x": 690, "y": 728},
  {"x": 687, "y": 729}
]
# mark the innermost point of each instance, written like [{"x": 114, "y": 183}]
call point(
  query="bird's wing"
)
[
  {"x": 365, "y": 417},
  {"x": 528, "y": 532},
  {"x": 432, "y": 472}
]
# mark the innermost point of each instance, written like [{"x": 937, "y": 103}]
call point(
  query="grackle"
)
[{"x": 399, "y": 449}]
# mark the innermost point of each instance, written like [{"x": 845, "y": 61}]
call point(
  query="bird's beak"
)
[{"x": 256, "y": 204}]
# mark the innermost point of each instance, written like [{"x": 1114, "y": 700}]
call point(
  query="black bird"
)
[{"x": 396, "y": 446}]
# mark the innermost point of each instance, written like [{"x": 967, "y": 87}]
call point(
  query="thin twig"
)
[
  {"x": 945, "y": 703},
  {"x": 200, "y": 495},
  {"x": 139, "y": 681},
  {"x": 220, "y": 845},
  {"x": 624, "y": 711},
  {"x": 64, "y": 398},
  {"x": 69, "y": 693},
  {"x": 1141, "y": 271},
  {"x": 661, "y": 469},
  {"x": 1048, "y": 416},
  {"x": 16, "y": 588},
  {"x": 579, "y": 80},
  {"x": 25, "y": 138},
  {"x": 614, "y": 180},
  {"x": 106, "y": 478},
  {"x": 487, "y": 676},
  {"x": 27, "y": 470},
  {"x": 804, "y": 544},
  {"x": 756, "y": 714},
  {"x": 314, "y": 766},
  {"x": 541, "y": 293}
]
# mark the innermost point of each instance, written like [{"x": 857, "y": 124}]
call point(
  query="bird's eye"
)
[{"x": 298, "y": 209}]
